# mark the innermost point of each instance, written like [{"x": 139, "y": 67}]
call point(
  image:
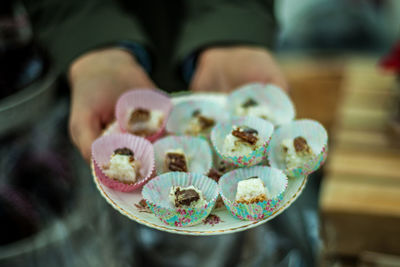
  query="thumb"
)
[{"x": 84, "y": 130}]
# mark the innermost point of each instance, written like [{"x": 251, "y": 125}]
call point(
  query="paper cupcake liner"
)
[
  {"x": 265, "y": 94},
  {"x": 317, "y": 139},
  {"x": 197, "y": 151},
  {"x": 156, "y": 195},
  {"x": 143, "y": 98},
  {"x": 221, "y": 130},
  {"x": 181, "y": 115},
  {"x": 112, "y": 128},
  {"x": 274, "y": 180},
  {"x": 103, "y": 148}
]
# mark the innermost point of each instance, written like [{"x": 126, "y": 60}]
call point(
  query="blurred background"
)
[{"x": 338, "y": 57}]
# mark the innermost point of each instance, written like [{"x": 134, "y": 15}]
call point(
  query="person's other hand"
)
[
  {"x": 97, "y": 79},
  {"x": 223, "y": 69}
]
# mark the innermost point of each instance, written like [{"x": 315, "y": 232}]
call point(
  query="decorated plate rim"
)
[{"x": 184, "y": 230}]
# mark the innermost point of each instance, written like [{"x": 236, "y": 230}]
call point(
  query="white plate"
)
[{"x": 127, "y": 203}]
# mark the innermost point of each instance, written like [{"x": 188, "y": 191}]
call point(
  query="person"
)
[{"x": 106, "y": 47}]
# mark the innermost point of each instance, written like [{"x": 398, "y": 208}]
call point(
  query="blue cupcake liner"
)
[
  {"x": 274, "y": 180},
  {"x": 197, "y": 151},
  {"x": 221, "y": 130},
  {"x": 267, "y": 95},
  {"x": 156, "y": 194},
  {"x": 181, "y": 115},
  {"x": 317, "y": 139}
]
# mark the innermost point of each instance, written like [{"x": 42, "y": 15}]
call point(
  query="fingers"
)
[
  {"x": 202, "y": 82},
  {"x": 281, "y": 83},
  {"x": 225, "y": 69},
  {"x": 274, "y": 76},
  {"x": 84, "y": 129},
  {"x": 97, "y": 79}
]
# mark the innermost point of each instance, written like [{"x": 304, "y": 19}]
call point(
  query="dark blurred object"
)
[
  {"x": 19, "y": 220},
  {"x": 45, "y": 176},
  {"x": 36, "y": 181},
  {"x": 36, "y": 176},
  {"x": 339, "y": 25},
  {"x": 21, "y": 60},
  {"x": 26, "y": 85}
]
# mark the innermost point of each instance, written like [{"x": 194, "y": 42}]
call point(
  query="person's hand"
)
[
  {"x": 97, "y": 79},
  {"x": 223, "y": 69}
]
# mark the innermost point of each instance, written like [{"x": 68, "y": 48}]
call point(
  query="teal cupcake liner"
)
[
  {"x": 197, "y": 151},
  {"x": 156, "y": 194},
  {"x": 317, "y": 139},
  {"x": 274, "y": 180},
  {"x": 269, "y": 95},
  {"x": 221, "y": 130},
  {"x": 182, "y": 113}
]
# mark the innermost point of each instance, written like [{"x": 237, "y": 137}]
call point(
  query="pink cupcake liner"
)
[
  {"x": 317, "y": 139},
  {"x": 196, "y": 149},
  {"x": 267, "y": 95},
  {"x": 143, "y": 98},
  {"x": 156, "y": 194},
  {"x": 103, "y": 148},
  {"x": 221, "y": 130},
  {"x": 274, "y": 180}
]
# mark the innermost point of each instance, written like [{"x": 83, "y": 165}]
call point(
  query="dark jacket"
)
[{"x": 169, "y": 30}]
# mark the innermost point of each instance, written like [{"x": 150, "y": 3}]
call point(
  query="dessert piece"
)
[
  {"x": 199, "y": 124},
  {"x": 180, "y": 198},
  {"x": 183, "y": 154},
  {"x": 241, "y": 141},
  {"x": 296, "y": 152},
  {"x": 186, "y": 197},
  {"x": 144, "y": 122},
  {"x": 123, "y": 166},
  {"x": 251, "y": 108},
  {"x": 214, "y": 174},
  {"x": 222, "y": 167},
  {"x": 175, "y": 161},
  {"x": 251, "y": 190},
  {"x": 249, "y": 103}
]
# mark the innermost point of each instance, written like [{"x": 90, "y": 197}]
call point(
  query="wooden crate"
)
[
  {"x": 315, "y": 85},
  {"x": 360, "y": 195}
]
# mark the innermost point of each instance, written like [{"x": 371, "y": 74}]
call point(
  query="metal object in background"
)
[{"x": 20, "y": 110}]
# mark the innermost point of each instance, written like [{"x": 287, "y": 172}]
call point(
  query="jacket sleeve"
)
[
  {"x": 72, "y": 27},
  {"x": 225, "y": 22}
]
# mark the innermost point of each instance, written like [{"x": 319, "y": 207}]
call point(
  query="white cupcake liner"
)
[
  {"x": 221, "y": 130},
  {"x": 104, "y": 147},
  {"x": 274, "y": 180},
  {"x": 151, "y": 99},
  {"x": 156, "y": 194},
  {"x": 181, "y": 115},
  {"x": 197, "y": 151},
  {"x": 317, "y": 139},
  {"x": 267, "y": 95}
]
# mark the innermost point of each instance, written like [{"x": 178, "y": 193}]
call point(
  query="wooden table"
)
[
  {"x": 360, "y": 192},
  {"x": 360, "y": 195}
]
